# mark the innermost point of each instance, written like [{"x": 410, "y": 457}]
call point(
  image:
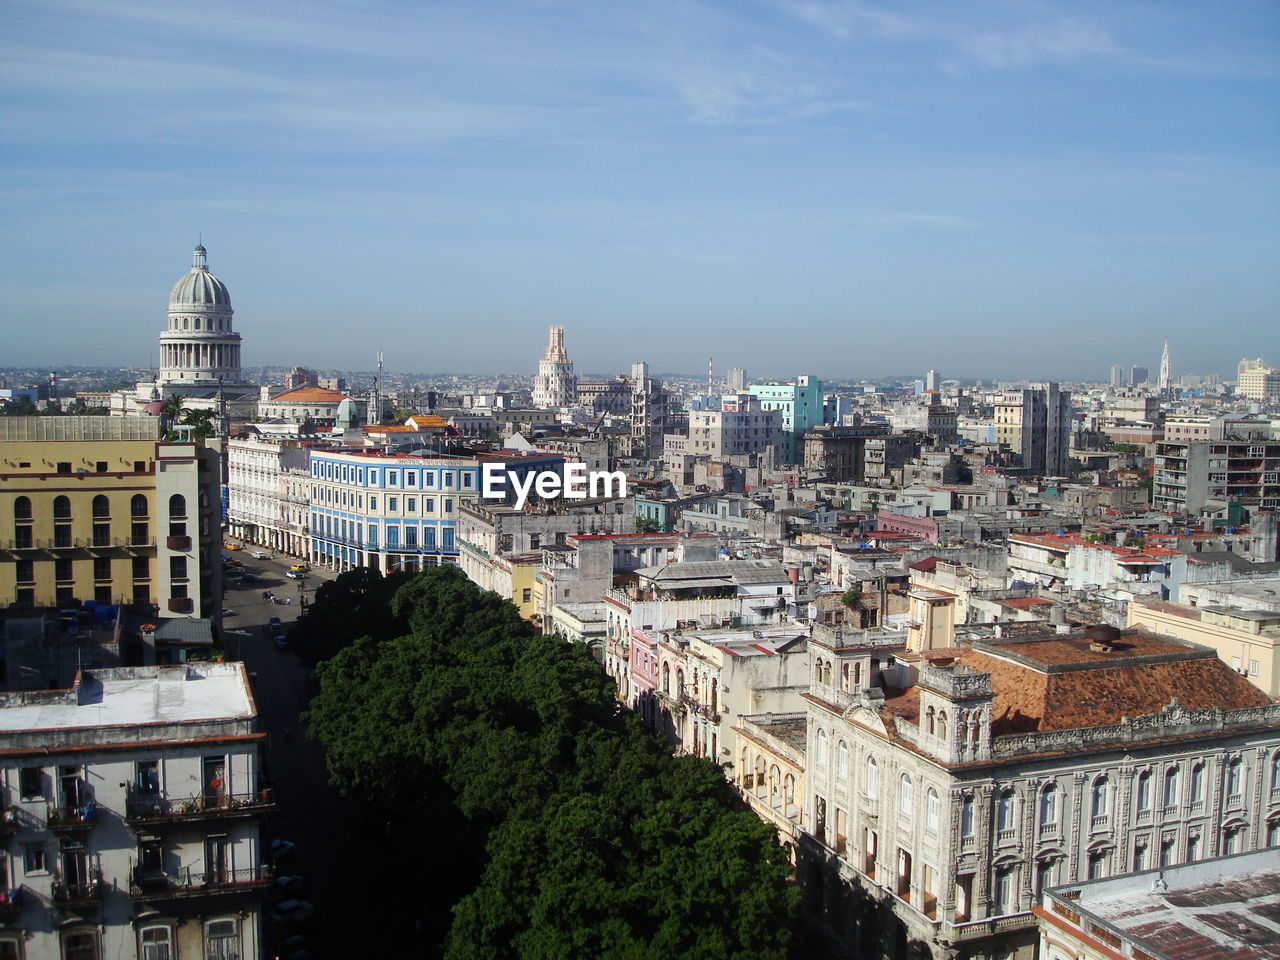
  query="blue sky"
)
[{"x": 1000, "y": 189}]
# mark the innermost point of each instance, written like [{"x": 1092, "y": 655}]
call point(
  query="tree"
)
[
  {"x": 648, "y": 525},
  {"x": 567, "y": 829}
]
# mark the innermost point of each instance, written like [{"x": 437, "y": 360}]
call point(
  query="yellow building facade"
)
[
  {"x": 1247, "y": 640},
  {"x": 101, "y": 509}
]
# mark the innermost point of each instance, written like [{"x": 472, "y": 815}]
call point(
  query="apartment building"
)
[
  {"x": 801, "y": 405},
  {"x": 268, "y": 486},
  {"x": 133, "y": 808},
  {"x": 102, "y": 509},
  {"x": 1035, "y": 425},
  {"x": 1189, "y": 475},
  {"x": 739, "y": 428}
]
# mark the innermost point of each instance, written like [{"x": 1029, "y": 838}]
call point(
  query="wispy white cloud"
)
[{"x": 1026, "y": 46}]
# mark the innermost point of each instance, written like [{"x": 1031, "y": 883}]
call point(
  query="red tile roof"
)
[{"x": 309, "y": 395}]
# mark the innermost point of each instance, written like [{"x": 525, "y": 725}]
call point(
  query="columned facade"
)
[{"x": 199, "y": 344}]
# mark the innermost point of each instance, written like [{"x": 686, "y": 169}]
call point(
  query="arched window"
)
[
  {"x": 1101, "y": 797},
  {"x": 1275, "y": 772},
  {"x": 1171, "y": 787},
  {"x": 975, "y": 729},
  {"x": 1049, "y": 804},
  {"x": 138, "y": 506},
  {"x": 962, "y": 731},
  {"x": 679, "y": 681},
  {"x": 101, "y": 511},
  {"x": 873, "y": 779},
  {"x": 22, "y": 508},
  {"x": 788, "y": 789},
  {"x": 1235, "y": 782},
  {"x": 942, "y": 724},
  {"x": 774, "y": 785},
  {"x": 826, "y": 673},
  {"x": 1004, "y": 810},
  {"x": 821, "y": 748},
  {"x": 177, "y": 506},
  {"x": 61, "y": 508},
  {"x": 842, "y": 760},
  {"x": 905, "y": 796},
  {"x": 844, "y": 678},
  {"x": 715, "y": 703},
  {"x": 930, "y": 722},
  {"x": 932, "y": 810},
  {"x": 666, "y": 678}
]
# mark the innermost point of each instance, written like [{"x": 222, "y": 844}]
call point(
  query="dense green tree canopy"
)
[{"x": 571, "y": 831}]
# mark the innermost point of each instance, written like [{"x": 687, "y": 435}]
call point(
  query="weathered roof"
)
[
  {"x": 1060, "y": 684},
  {"x": 677, "y": 575}
]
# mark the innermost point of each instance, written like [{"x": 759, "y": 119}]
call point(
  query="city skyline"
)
[{"x": 442, "y": 183}]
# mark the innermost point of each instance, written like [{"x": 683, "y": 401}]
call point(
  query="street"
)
[{"x": 329, "y": 856}]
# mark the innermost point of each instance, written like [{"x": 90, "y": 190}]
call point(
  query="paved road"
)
[{"x": 323, "y": 824}]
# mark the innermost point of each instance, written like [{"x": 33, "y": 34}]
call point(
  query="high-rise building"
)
[
  {"x": 801, "y": 404},
  {"x": 1035, "y": 424},
  {"x": 102, "y": 509},
  {"x": 932, "y": 381},
  {"x": 1166, "y": 369},
  {"x": 738, "y": 428},
  {"x": 736, "y": 379},
  {"x": 1138, "y": 375},
  {"x": 651, "y": 409},
  {"x": 1188, "y": 475},
  {"x": 1117, "y": 375},
  {"x": 555, "y": 385},
  {"x": 1257, "y": 381}
]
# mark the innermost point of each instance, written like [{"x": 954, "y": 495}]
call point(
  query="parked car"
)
[
  {"x": 227, "y": 612},
  {"x": 251, "y": 578},
  {"x": 260, "y": 555}
]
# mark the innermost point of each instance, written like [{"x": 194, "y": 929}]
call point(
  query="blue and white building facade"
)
[{"x": 396, "y": 511}]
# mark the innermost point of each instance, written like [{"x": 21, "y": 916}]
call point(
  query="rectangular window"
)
[
  {"x": 29, "y": 783},
  {"x": 62, "y": 569},
  {"x": 393, "y": 537},
  {"x": 102, "y": 534},
  {"x": 448, "y": 507},
  {"x": 64, "y": 466},
  {"x": 410, "y": 536},
  {"x": 393, "y": 504},
  {"x": 373, "y": 535},
  {"x": 429, "y": 537},
  {"x": 393, "y": 478},
  {"x": 467, "y": 480},
  {"x": 447, "y": 541},
  {"x": 177, "y": 568},
  {"x": 411, "y": 504},
  {"x": 1254, "y": 667},
  {"x": 26, "y": 571},
  {"x": 141, "y": 568},
  {"x": 429, "y": 478},
  {"x": 373, "y": 502},
  {"x": 34, "y": 859},
  {"x": 410, "y": 478},
  {"x": 101, "y": 568},
  {"x": 139, "y": 466},
  {"x": 429, "y": 505}
]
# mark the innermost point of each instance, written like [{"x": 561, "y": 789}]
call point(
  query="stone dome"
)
[{"x": 199, "y": 287}]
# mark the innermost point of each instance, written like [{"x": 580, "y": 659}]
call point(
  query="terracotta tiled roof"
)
[
  {"x": 924, "y": 566},
  {"x": 1102, "y": 688},
  {"x": 1025, "y": 603},
  {"x": 309, "y": 395}
]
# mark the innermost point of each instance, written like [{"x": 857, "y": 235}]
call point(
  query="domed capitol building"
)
[{"x": 199, "y": 351}]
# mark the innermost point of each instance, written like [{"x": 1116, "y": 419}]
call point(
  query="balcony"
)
[
  {"x": 158, "y": 885},
  {"x": 141, "y": 543},
  {"x": 79, "y": 896},
  {"x": 150, "y": 808},
  {"x": 181, "y": 605},
  {"x": 181, "y": 544},
  {"x": 8, "y": 821},
  {"x": 72, "y": 819}
]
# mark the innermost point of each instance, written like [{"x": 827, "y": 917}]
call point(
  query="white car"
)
[{"x": 260, "y": 555}]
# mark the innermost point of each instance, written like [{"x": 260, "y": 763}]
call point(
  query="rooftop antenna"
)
[{"x": 377, "y": 398}]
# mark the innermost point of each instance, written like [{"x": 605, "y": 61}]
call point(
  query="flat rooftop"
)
[
  {"x": 1222, "y": 909},
  {"x": 130, "y": 696}
]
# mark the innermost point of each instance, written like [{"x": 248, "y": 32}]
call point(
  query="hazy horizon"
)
[{"x": 1001, "y": 191}]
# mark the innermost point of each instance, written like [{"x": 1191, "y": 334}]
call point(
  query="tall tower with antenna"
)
[
  {"x": 375, "y": 409},
  {"x": 709, "y": 369},
  {"x": 1166, "y": 369}
]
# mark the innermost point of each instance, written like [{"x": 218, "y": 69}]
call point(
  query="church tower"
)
[{"x": 555, "y": 385}]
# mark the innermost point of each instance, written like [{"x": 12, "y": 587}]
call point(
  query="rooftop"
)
[
  {"x": 309, "y": 395},
  {"x": 1223, "y": 909},
  {"x": 1060, "y": 683},
  {"x": 129, "y": 696}
]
